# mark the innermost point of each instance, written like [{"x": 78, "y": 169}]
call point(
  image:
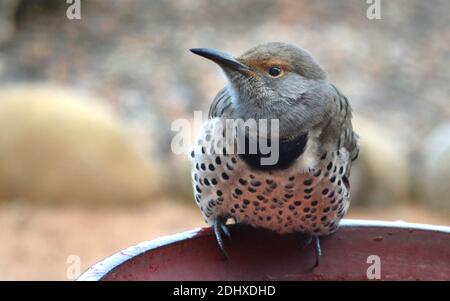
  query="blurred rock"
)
[
  {"x": 7, "y": 11},
  {"x": 381, "y": 175},
  {"x": 177, "y": 177},
  {"x": 434, "y": 175},
  {"x": 28, "y": 10},
  {"x": 58, "y": 146}
]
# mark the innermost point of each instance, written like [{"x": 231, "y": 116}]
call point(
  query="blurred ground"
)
[{"x": 39, "y": 239}]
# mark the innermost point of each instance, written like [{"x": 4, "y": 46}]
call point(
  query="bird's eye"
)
[{"x": 275, "y": 71}]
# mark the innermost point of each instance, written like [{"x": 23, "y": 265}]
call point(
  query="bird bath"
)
[{"x": 405, "y": 252}]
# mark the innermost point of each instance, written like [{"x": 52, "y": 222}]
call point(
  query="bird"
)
[{"x": 306, "y": 190}]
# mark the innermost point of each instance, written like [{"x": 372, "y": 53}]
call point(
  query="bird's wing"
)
[
  {"x": 347, "y": 137},
  {"x": 221, "y": 105},
  {"x": 339, "y": 129}
]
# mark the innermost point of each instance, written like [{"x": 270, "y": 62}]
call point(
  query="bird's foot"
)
[
  {"x": 220, "y": 228},
  {"x": 317, "y": 249},
  {"x": 308, "y": 241}
]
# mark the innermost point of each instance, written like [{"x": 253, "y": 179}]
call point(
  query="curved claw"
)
[
  {"x": 226, "y": 231},
  {"x": 307, "y": 241},
  {"x": 219, "y": 229},
  {"x": 318, "y": 250}
]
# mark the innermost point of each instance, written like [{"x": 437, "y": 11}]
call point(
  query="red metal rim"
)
[{"x": 407, "y": 251}]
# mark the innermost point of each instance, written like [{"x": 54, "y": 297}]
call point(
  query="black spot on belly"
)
[
  {"x": 242, "y": 181},
  {"x": 307, "y": 182},
  {"x": 251, "y": 189},
  {"x": 255, "y": 183},
  {"x": 330, "y": 166},
  {"x": 289, "y": 186}
]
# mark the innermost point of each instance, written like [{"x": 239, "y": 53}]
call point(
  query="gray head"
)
[{"x": 275, "y": 80}]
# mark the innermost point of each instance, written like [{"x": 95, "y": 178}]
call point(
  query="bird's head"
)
[{"x": 275, "y": 80}]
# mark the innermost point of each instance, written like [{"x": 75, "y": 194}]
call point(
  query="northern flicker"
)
[{"x": 307, "y": 189}]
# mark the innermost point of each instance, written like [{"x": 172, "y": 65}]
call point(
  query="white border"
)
[{"x": 99, "y": 270}]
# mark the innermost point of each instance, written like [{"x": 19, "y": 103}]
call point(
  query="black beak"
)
[{"x": 221, "y": 58}]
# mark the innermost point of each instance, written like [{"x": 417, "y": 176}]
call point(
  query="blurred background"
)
[{"x": 86, "y": 107}]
